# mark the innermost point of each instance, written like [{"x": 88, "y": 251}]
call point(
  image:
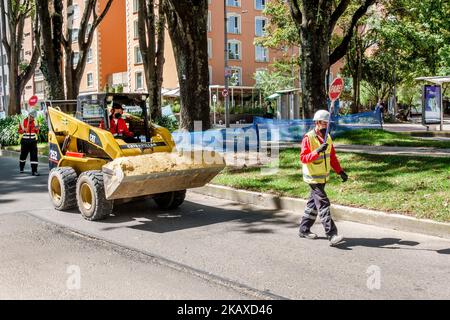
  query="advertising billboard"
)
[{"x": 431, "y": 108}]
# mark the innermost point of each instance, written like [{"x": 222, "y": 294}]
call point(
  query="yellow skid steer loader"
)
[{"x": 93, "y": 169}]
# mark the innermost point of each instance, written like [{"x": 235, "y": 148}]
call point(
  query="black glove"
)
[
  {"x": 322, "y": 147},
  {"x": 344, "y": 176}
]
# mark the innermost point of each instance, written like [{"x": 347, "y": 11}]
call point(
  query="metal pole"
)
[
  {"x": 442, "y": 109},
  {"x": 227, "y": 101}
]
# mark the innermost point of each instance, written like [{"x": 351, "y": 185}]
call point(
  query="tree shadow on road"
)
[
  {"x": 384, "y": 243},
  {"x": 194, "y": 215}
]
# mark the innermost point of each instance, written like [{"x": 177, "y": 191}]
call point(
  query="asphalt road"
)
[{"x": 208, "y": 248}]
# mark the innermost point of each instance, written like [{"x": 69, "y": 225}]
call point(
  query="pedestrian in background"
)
[
  {"x": 317, "y": 158},
  {"x": 28, "y": 143}
]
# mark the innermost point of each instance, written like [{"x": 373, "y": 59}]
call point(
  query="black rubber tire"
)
[
  {"x": 100, "y": 208},
  {"x": 170, "y": 200},
  {"x": 67, "y": 179}
]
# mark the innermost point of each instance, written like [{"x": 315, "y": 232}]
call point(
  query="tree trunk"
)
[
  {"x": 315, "y": 22},
  {"x": 151, "y": 43},
  {"x": 314, "y": 58},
  {"x": 14, "y": 94},
  {"x": 187, "y": 21},
  {"x": 15, "y": 16},
  {"x": 51, "y": 57}
]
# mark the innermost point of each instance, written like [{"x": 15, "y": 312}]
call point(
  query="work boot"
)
[
  {"x": 35, "y": 174},
  {"x": 307, "y": 235},
  {"x": 21, "y": 171},
  {"x": 335, "y": 239}
]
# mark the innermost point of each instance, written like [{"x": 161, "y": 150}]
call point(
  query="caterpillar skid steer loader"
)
[{"x": 93, "y": 169}]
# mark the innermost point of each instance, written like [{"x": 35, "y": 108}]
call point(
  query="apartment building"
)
[
  {"x": 245, "y": 23},
  {"x": 107, "y": 56},
  {"x": 106, "y": 62}
]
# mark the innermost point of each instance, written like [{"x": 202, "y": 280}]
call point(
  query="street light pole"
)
[{"x": 227, "y": 101}]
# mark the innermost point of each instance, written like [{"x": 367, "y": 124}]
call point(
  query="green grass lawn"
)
[
  {"x": 378, "y": 137},
  {"x": 415, "y": 186},
  {"x": 42, "y": 148}
]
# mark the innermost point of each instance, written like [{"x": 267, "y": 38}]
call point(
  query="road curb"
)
[
  {"x": 15, "y": 154},
  {"x": 295, "y": 205}
]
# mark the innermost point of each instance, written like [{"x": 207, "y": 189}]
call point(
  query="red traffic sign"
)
[
  {"x": 336, "y": 88},
  {"x": 33, "y": 100},
  {"x": 224, "y": 92}
]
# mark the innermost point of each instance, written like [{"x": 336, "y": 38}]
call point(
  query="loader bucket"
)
[{"x": 129, "y": 177}]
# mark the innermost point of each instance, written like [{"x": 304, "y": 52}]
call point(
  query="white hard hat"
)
[
  {"x": 322, "y": 115},
  {"x": 32, "y": 113}
]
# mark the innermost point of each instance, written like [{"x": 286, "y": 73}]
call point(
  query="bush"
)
[
  {"x": 176, "y": 107},
  {"x": 169, "y": 123},
  {"x": 9, "y": 126},
  {"x": 9, "y": 130}
]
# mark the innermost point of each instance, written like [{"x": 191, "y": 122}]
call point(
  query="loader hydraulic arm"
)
[{"x": 63, "y": 124}]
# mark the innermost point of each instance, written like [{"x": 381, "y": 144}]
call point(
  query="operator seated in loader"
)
[{"x": 118, "y": 126}]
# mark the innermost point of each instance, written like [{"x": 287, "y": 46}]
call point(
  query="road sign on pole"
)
[
  {"x": 33, "y": 100},
  {"x": 335, "y": 89},
  {"x": 334, "y": 92}
]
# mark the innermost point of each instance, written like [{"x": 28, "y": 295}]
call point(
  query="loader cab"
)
[{"x": 95, "y": 110}]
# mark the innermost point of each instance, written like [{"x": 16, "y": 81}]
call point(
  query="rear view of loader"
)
[{"x": 92, "y": 169}]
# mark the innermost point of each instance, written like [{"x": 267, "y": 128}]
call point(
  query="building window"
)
[
  {"x": 260, "y": 4},
  {"x": 260, "y": 25},
  {"x": 233, "y": 3},
  {"x": 259, "y": 74},
  {"x": 139, "y": 81},
  {"x": 210, "y": 74},
  {"x": 135, "y": 6},
  {"x": 90, "y": 80},
  {"x": 137, "y": 55},
  {"x": 39, "y": 87},
  {"x": 75, "y": 58},
  {"x": 234, "y": 23},
  {"x": 76, "y": 11},
  {"x": 209, "y": 48},
  {"x": 234, "y": 50},
  {"x": 88, "y": 30},
  {"x": 135, "y": 29},
  {"x": 209, "y": 21},
  {"x": 89, "y": 56},
  {"x": 261, "y": 54},
  {"x": 236, "y": 76},
  {"x": 75, "y": 32},
  {"x": 38, "y": 72}
]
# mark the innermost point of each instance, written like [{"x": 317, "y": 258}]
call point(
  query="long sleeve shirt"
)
[
  {"x": 118, "y": 126},
  {"x": 307, "y": 155}
]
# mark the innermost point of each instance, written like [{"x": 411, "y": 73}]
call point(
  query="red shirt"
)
[
  {"x": 119, "y": 128},
  {"x": 307, "y": 155}
]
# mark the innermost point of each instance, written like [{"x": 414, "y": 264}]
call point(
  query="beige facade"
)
[
  {"x": 115, "y": 59},
  {"x": 245, "y": 24},
  {"x": 107, "y": 55}
]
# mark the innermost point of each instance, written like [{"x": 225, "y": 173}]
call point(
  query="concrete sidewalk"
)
[
  {"x": 384, "y": 150},
  {"x": 387, "y": 150}
]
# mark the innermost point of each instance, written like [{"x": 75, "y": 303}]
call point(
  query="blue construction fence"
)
[{"x": 249, "y": 138}]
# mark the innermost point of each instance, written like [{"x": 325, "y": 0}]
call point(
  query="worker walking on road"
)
[
  {"x": 317, "y": 158},
  {"x": 28, "y": 143}
]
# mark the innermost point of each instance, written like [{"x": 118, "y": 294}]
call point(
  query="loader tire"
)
[
  {"x": 170, "y": 200},
  {"x": 91, "y": 197},
  {"x": 62, "y": 183}
]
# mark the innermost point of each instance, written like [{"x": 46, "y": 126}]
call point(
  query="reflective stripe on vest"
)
[
  {"x": 27, "y": 135},
  {"x": 317, "y": 171}
]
